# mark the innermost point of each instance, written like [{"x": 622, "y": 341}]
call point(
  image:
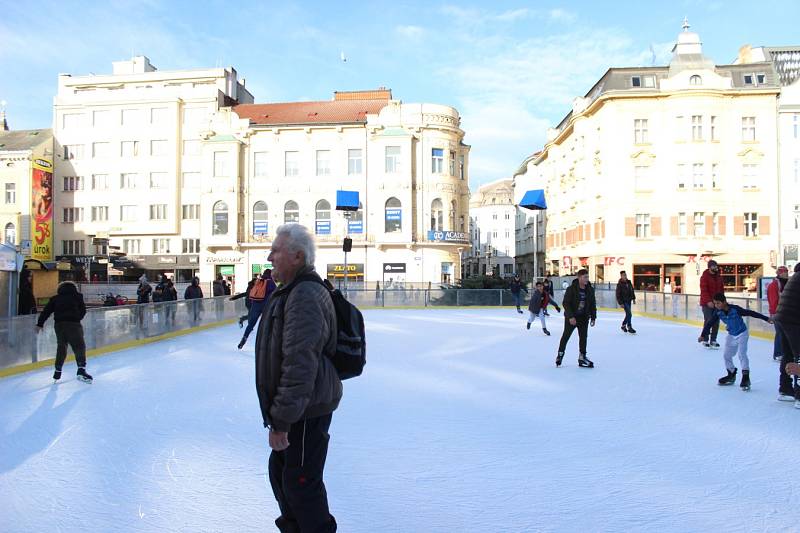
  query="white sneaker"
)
[{"x": 785, "y": 397}]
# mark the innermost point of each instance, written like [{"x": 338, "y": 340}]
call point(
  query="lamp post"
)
[
  {"x": 346, "y": 201},
  {"x": 534, "y": 200}
]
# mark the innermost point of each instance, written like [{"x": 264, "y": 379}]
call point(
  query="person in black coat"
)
[
  {"x": 194, "y": 292},
  {"x": 787, "y": 321},
  {"x": 68, "y": 309},
  {"x": 143, "y": 291},
  {"x": 580, "y": 311},
  {"x": 27, "y": 301},
  {"x": 625, "y": 298},
  {"x": 516, "y": 286}
]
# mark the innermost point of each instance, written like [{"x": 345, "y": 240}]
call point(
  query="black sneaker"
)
[
  {"x": 528, "y": 326},
  {"x": 57, "y": 376},
  {"x": 729, "y": 379},
  {"x": 546, "y": 332},
  {"x": 585, "y": 362},
  {"x": 559, "y": 358},
  {"x": 83, "y": 376}
]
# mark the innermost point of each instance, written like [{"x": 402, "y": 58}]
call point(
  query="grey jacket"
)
[{"x": 295, "y": 379}]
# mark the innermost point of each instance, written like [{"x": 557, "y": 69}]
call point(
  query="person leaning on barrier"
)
[
  {"x": 787, "y": 320},
  {"x": 27, "y": 301},
  {"x": 68, "y": 309},
  {"x": 194, "y": 292}
]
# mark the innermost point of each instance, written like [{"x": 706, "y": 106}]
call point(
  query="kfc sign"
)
[{"x": 609, "y": 261}]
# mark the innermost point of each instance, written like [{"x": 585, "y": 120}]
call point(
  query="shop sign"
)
[
  {"x": 394, "y": 268},
  {"x": 609, "y": 261},
  {"x": 223, "y": 259},
  {"x": 447, "y": 236}
]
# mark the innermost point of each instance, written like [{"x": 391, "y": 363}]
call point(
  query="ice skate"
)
[
  {"x": 714, "y": 345},
  {"x": 57, "y": 376},
  {"x": 544, "y": 330},
  {"x": 745, "y": 384},
  {"x": 519, "y": 310},
  {"x": 241, "y": 343},
  {"x": 585, "y": 362},
  {"x": 559, "y": 358},
  {"x": 730, "y": 379},
  {"x": 783, "y": 397},
  {"x": 624, "y": 328},
  {"x": 528, "y": 325},
  {"x": 631, "y": 330},
  {"x": 83, "y": 376}
]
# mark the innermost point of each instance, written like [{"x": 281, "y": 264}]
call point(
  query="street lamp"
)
[
  {"x": 346, "y": 201},
  {"x": 534, "y": 200}
]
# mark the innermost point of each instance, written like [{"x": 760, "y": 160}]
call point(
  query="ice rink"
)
[{"x": 461, "y": 423}]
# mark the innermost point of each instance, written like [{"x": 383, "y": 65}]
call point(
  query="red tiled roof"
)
[{"x": 342, "y": 111}]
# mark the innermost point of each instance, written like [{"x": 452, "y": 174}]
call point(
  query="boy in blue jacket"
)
[{"x": 738, "y": 337}]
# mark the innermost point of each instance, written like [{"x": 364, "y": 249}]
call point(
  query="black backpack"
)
[{"x": 351, "y": 343}]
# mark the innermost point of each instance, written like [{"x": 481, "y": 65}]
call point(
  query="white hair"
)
[{"x": 299, "y": 239}]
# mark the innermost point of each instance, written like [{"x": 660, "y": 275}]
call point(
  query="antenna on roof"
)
[{"x": 342, "y": 57}]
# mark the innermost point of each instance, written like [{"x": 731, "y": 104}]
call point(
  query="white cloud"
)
[
  {"x": 410, "y": 32},
  {"x": 561, "y": 15},
  {"x": 514, "y": 14}
]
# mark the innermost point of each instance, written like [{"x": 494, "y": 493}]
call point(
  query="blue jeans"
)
[
  {"x": 517, "y": 298},
  {"x": 777, "y": 349},
  {"x": 628, "y": 315}
]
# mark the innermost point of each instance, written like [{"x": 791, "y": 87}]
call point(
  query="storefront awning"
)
[{"x": 534, "y": 199}]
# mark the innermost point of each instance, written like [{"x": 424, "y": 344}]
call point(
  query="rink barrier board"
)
[{"x": 105, "y": 350}]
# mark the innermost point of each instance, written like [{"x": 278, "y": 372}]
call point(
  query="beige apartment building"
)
[
  {"x": 659, "y": 169},
  {"x": 492, "y": 215},
  {"x": 129, "y": 167},
  {"x": 275, "y": 163}
]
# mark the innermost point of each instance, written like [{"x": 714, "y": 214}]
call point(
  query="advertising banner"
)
[{"x": 42, "y": 210}]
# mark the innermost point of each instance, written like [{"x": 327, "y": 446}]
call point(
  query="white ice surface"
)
[{"x": 461, "y": 422}]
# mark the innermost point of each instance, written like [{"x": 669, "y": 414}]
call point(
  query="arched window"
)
[
  {"x": 220, "y": 212},
  {"x": 356, "y": 222},
  {"x": 260, "y": 218},
  {"x": 11, "y": 234},
  {"x": 437, "y": 215},
  {"x": 453, "y": 211},
  {"x": 291, "y": 212},
  {"x": 322, "y": 225},
  {"x": 393, "y": 215},
  {"x": 695, "y": 80}
]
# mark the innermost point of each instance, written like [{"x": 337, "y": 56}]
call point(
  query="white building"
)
[
  {"x": 269, "y": 164},
  {"x": 492, "y": 219},
  {"x": 129, "y": 165}
]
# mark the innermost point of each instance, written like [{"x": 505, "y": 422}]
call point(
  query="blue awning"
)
[
  {"x": 534, "y": 199},
  {"x": 347, "y": 200}
]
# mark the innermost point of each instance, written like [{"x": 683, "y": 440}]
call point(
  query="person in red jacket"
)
[
  {"x": 774, "y": 291},
  {"x": 710, "y": 284}
]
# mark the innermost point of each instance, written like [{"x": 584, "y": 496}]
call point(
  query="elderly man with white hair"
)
[{"x": 297, "y": 384}]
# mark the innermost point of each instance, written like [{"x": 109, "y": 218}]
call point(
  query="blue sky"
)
[{"x": 510, "y": 68}]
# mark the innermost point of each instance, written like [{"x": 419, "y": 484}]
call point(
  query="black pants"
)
[
  {"x": 582, "y": 325},
  {"x": 70, "y": 333},
  {"x": 790, "y": 345},
  {"x": 709, "y": 312},
  {"x": 296, "y": 478}
]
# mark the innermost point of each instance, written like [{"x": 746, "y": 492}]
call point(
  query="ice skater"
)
[
  {"x": 539, "y": 302},
  {"x": 738, "y": 337},
  {"x": 710, "y": 284},
  {"x": 68, "y": 309},
  {"x": 246, "y": 296},
  {"x": 580, "y": 311},
  {"x": 517, "y": 287},
  {"x": 259, "y": 296},
  {"x": 625, "y": 298}
]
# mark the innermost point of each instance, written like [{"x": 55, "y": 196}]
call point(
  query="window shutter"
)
[
  {"x": 655, "y": 226},
  {"x": 673, "y": 226},
  {"x": 709, "y": 225},
  {"x": 763, "y": 225},
  {"x": 722, "y": 225},
  {"x": 630, "y": 226},
  {"x": 738, "y": 226}
]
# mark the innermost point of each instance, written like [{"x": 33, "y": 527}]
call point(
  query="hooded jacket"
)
[
  {"x": 710, "y": 284},
  {"x": 27, "y": 301},
  {"x": 66, "y": 306},
  {"x": 295, "y": 378},
  {"x": 572, "y": 299},
  {"x": 625, "y": 294},
  {"x": 193, "y": 291}
]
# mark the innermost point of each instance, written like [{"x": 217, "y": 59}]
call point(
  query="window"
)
[
  {"x": 636, "y": 81},
  {"x": 452, "y": 163},
  {"x": 101, "y": 119},
  {"x": 642, "y": 226},
  {"x": 73, "y": 183},
  {"x": 682, "y": 177},
  {"x": 640, "y": 134},
  {"x": 161, "y": 246},
  {"x": 494, "y": 216},
  {"x": 393, "y": 216},
  {"x": 260, "y": 218},
  {"x": 191, "y": 147},
  {"x": 323, "y": 162},
  {"x": 194, "y": 116},
  {"x": 697, "y": 127},
  {"x": 158, "y": 147},
  {"x": 101, "y": 149},
  {"x": 72, "y": 120},
  {"x": 699, "y": 223},
  {"x": 131, "y": 117},
  {"x": 714, "y": 176},
  {"x": 748, "y": 129},
  {"x": 190, "y": 212},
  {"x": 220, "y": 164},
  {"x": 751, "y": 224},
  {"x": 158, "y": 211},
  {"x": 72, "y": 247},
  {"x": 698, "y": 176},
  {"x": 695, "y": 80},
  {"x": 356, "y": 222},
  {"x": 127, "y": 213},
  {"x": 641, "y": 178},
  {"x": 713, "y": 127},
  {"x": 11, "y": 193},
  {"x": 130, "y": 149},
  {"x": 680, "y": 128},
  {"x": 354, "y": 162},
  {"x": 715, "y": 224},
  {"x": 437, "y": 215},
  {"x": 260, "y": 165},
  {"x": 129, "y": 180},
  {"x": 682, "y": 225},
  {"x": 392, "y": 159},
  {"x": 190, "y": 180},
  {"x": 159, "y": 115},
  {"x": 322, "y": 224},
  {"x": 291, "y": 212},
  {"x": 10, "y": 235},
  {"x": 749, "y": 176},
  {"x": 99, "y": 182},
  {"x": 797, "y": 216},
  {"x": 437, "y": 161},
  {"x": 158, "y": 180},
  {"x": 291, "y": 165},
  {"x": 99, "y": 213},
  {"x": 190, "y": 246},
  {"x": 73, "y": 214},
  {"x": 461, "y": 169},
  {"x": 73, "y": 151},
  {"x": 131, "y": 246},
  {"x": 220, "y": 220},
  {"x": 452, "y": 218}
]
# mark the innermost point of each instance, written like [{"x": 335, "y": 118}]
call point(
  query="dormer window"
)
[
  {"x": 695, "y": 80},
  {"x": 636, "y": 81},
  {"x": 748, "y": 79},
  {"x": 755, "y": 78},
  {"x": 760, "y": 78},
  {"x": 647, "y": 82}
]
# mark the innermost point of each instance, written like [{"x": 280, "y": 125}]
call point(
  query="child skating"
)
[
  {"x": 738, "y": 336},
  {"x": 537, "y": 306}
]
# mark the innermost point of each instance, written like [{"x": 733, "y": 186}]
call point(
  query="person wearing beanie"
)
[
  {"x": 68, "y": 309},
  {"x": 774, "y": 291},
  {"x": 710, "y": 284},
  {"x": 787, "y": 321}
]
